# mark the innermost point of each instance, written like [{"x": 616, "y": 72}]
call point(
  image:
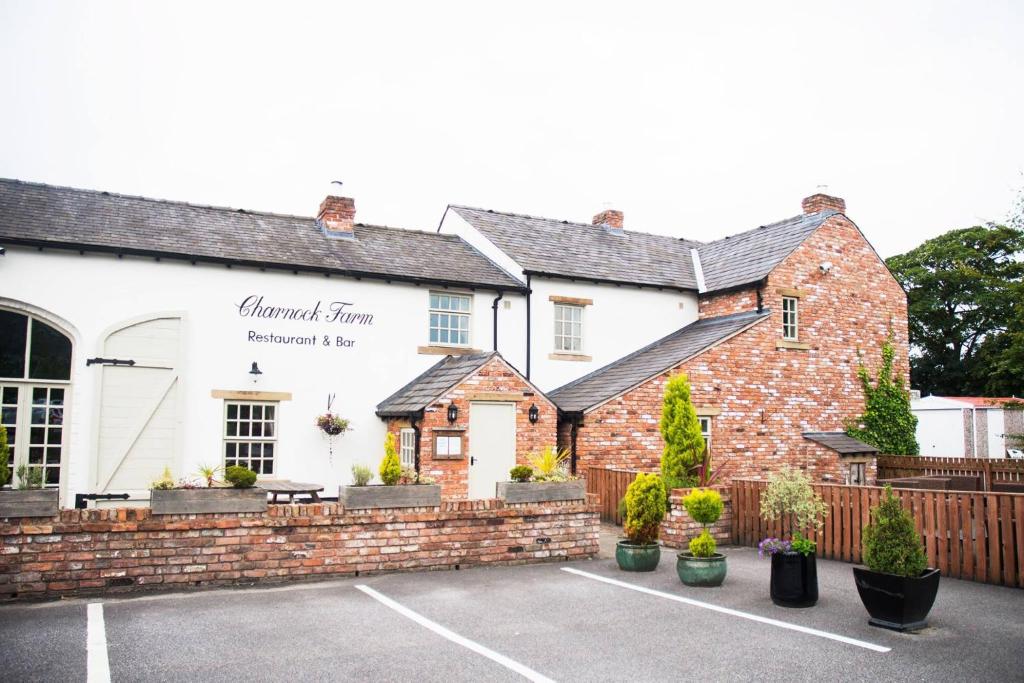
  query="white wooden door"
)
[
  {"x": 139, "y": 418},
  {"x": 492, "y": 446}
]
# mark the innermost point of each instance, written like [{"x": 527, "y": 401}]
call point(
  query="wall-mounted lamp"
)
[
  {"x": 453, "y": 412},
  {"x": 255, "y": 372},
  {"x": 534, "y": 414}
]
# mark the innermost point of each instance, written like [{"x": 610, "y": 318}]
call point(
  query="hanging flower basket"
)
[{"x": 331, "y": 424}]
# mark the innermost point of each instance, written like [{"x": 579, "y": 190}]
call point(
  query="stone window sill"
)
[
  {"x": 578, "y": 357},
  {"x": 445, "y": 350},
  {"x": 786, "y": 344}
]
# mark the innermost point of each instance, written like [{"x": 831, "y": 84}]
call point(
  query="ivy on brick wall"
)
[
  {"x": 680, "y": 429},
  {"x": 887, "y": 422}
]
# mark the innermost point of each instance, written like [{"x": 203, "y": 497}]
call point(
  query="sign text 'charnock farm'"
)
[{"x": 335, "y": 312}]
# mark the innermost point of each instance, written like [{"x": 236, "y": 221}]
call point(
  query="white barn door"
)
[
  {"x": 492, "y": 446},
  {"x": 139, "y": 409}
]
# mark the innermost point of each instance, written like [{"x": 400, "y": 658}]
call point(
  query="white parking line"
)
[
  {"x": 731, "y": 612},
  {"x": 524, "y": 671},
  {"x": 97, "y": 666}
]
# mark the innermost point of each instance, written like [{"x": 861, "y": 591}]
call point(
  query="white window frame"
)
[
  {"x": 561, "y": 339},
  {"x": 249, "y": 439},
  {"x": 459, "y": 313},
  {"x": 407, "y": 447},
  {"x": 705, "y": 431},
  {"x": 791, "y": 318}
]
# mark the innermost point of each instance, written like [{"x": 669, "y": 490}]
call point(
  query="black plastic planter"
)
[
  {"x": 794, "y": 580},
  {"x": 898, "y": 602}
]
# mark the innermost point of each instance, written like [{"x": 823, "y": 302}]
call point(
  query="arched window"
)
[{"x": 35, "y": 374}]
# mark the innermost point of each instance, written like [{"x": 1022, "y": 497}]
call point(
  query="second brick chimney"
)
[
  {"x": 337, "y": 215},
  {"x": 823, "y": 202},
  {"x": 610, "y": 219}
]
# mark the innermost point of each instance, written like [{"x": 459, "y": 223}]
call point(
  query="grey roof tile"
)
[
  {"x": 584, "y": 251},
  {"x": 749, "y": 256},
  {"x": 840, "y": 442},
  {"x": 41, "y": 215},
  {"x": 432, "y": 384},
  {"x": 629, "y": 371}
]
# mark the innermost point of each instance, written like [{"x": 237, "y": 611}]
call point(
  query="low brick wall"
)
[
  {"x": 678, "y": 528},
  {"x": 129, "y": 549}
]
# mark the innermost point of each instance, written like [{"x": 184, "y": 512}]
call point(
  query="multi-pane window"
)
[
  {"x": 790, "y": 321},
  {"x": 35, "y": 369},
  {"x": 568, "y": 328},
  {"x": 250, "y": 435},
  {"x": 407, "y": 451},
  {"x": 705, "y": 431},
  {"x": 449, "y": 319}
]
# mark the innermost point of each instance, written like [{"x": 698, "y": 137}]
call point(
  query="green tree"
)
[
  {"x": 680, "y": 430},
  {"x": 965, "y": 293},
  {"x": 5, "y": 470},
  {"x": 887, "y": 423},
  {"x": 390, "y": 466}
]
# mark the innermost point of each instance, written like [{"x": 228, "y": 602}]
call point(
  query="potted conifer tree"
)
[
  {"x": 897, "y": 587},
  {"x": 645, "y": 508},
  {"x": 680, "y": 430},
  {"x": 790, "y": 498},
  {"x": 702, "y": 566}
]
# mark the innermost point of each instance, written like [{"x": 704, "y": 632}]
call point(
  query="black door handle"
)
[{"x": 472, "y": 460}]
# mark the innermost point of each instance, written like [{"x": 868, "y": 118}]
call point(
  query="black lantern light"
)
[
  {"x": 453, "y": 412},
  {"x": 255, "y": 372},
  {"x": 534, "y": 414}
]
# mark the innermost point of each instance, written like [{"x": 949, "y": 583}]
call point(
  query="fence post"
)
[{"x": 986, "y": 466}]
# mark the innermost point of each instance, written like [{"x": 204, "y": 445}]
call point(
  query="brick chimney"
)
[
  {"x": 823, "y": 202},
  {"x": 611, "y": 220},
  {"x": 337, "y": 214}
]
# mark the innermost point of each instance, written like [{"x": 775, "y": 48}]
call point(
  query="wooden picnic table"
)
[{"x": 278, "y": 487}]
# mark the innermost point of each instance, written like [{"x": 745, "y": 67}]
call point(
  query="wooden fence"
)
[
  {"x": 611, "y": 486},
  {"x": 989, "y": 470},
  {"x": 975, "y": 536}
]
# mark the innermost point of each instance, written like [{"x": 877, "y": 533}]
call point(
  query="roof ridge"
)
[
  {"x": 568, "y": 222},
  {"x": 799, "y": 216},
  {"x": 212, "y": 207}
]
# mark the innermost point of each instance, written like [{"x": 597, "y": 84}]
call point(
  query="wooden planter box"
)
[
  {"x": 29, "y": 503},
  {"x": 541, "y": 491},
  {"x": 379, "y": 496},
  {"x": 193, "y": 501}
]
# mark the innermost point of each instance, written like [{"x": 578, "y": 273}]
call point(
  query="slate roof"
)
[
  {"x": 45, "y": 215},
  {"x": 581, "y": 250},
  {"x": 841, "y": 443},
  {"x": 432, "y": 384},
  {"x": 652, "y": 360},
  {"x": 749, "y": 256}
]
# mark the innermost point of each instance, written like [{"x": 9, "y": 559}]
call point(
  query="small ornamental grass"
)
[
  {"x": 361, "y": 475},
  {"x": 891, "y": 543},
  {"x": 645, "y": 508},
  {"x": 705, "y": 507},
  {"x": 550, "y": 464}
]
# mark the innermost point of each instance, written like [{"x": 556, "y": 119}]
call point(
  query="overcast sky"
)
[{"x": 695, "y": 119}]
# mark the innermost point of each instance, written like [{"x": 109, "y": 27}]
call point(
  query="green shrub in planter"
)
[
  {"x": 390, "y": 466},
  {"x": 361, "y": 475},
  {"x": 705, "y": 507},
  {"x": 5, "y": 471},
  {"x": 521, "y": 473},
  {"x": 240, "y": 477},
  {"x": 645, "y": 508},
  {"x": 891, "y": 543}
]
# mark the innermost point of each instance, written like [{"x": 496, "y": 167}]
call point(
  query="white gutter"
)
[{"x": 698, "y": 271}]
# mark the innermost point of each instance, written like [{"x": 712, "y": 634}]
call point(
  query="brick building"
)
[{"x": 787, "y": 312}]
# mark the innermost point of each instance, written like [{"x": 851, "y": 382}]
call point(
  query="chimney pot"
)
[
  {"x": 823, "y": 202},
  {"x": 337, "y": 215},
  {"x": 610, "y": 219}
]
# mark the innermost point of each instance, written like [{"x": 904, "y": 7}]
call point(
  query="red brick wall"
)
[
  {"x": 494, "y": 377},
  {"x": 90, "y": 551},
  {"x": 768, "y": 396}
]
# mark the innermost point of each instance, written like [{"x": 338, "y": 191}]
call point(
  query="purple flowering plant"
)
[{"x": 772, "y": 545}]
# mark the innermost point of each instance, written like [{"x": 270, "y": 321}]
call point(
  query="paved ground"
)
[{"x": 541, "y": 622}]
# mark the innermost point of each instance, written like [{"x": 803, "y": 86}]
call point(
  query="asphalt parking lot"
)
[{"x": 537, "y": 622}]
